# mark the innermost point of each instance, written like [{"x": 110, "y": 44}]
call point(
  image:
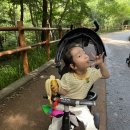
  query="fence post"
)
[
  {"x": 22, "y": 43},
  {"x": 60, "y": 32},
  {"x": 48, "y": 42}
]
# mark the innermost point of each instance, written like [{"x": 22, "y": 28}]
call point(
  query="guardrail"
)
[
  {"x": 22, "y": 43},
  {"x": 126, "y": 27}
]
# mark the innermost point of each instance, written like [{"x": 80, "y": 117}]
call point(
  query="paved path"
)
[
  {"x": 22, "y": 109},
  {"x": 118, "y": 85}
]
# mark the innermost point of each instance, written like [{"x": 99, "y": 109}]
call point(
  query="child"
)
[{"x": 77, "y": 81}]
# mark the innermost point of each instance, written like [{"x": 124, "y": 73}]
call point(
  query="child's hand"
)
[
  {"x": 55, "y": 89},
  {"x": 98, "y": 60}
]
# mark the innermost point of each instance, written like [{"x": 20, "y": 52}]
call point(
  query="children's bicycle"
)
[
  {"x": 69, "y": 120},
  {"x": 91, "y": 42}
]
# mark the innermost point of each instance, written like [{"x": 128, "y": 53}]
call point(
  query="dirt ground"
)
[{"x": 22, "y": 109}]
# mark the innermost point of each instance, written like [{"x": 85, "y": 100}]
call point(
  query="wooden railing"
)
[
  {"x": 22, "y": 43},
  {"x": 126, "y": 27}
]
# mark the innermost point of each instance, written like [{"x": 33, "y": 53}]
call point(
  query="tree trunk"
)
[
  {"x": 22, "y": 10},
  {"x": 50, "y": 17},
  {"x": 44, "y": 20}
]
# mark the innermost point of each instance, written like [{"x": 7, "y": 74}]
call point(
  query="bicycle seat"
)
[{"x": 92, "y": 96}]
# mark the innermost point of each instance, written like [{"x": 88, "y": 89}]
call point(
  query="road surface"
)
[{"x": 118, "y": 85}]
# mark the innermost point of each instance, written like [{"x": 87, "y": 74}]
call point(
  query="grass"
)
[
  {"x": 9, "y": 72},
  {"x": 11, "y": 66}
]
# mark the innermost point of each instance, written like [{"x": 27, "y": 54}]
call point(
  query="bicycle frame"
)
[
  {"x": 89, "y": 101},
  {"x": 66, "y": 119}
]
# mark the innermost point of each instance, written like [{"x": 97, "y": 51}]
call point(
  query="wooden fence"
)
[
  {"x": 126, "y": 27},
  {"x": 22, "y": 43}
]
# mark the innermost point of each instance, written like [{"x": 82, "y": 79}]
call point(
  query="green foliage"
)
[
  {"x": 12, "y": 68},
  {"x": 9, "y": 72},
  {"x": 36, "y": 58},
  {"x": 67, "y": 12},
  {"x": 83, "y": 12}
]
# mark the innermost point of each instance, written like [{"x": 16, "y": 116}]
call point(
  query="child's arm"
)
[
  {"x": 61, "y": 91},
  {"x": 104, "y": 71},
  {"x": 99, "y": 61}
]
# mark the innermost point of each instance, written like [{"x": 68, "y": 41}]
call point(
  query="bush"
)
[{"x": 11, "y": 68}]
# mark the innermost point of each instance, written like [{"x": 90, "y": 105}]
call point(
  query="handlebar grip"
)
[
  {"x": 88, "y": 103},
  {"x": 67, "y": 101}
]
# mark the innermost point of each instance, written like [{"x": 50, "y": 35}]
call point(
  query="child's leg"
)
[
  {"x": 84, "y": 115},
  {"x": 55, "y": 124}
]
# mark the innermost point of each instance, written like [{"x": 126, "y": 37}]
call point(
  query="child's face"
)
[{"x": 80, "y": 58}]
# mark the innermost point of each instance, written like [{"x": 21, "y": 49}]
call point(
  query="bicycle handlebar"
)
[{"x": 73, "y": 102}]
